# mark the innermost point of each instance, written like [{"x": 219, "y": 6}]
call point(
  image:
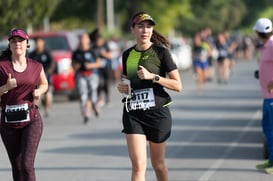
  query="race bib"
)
[
  {"x": 17, "y": 113},
  {"x": 142, "y": 99}
]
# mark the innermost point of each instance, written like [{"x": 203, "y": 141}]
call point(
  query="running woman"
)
[
  {"x": 101, "y": 49},
  {"x": 223, "y": 60},
  {"x": 43, "y": 56},
  {"x": 200, "y": 60},
  {"x": 22, "y": 82},
  {"x": 85, "y": 63},
  {"x": 146, "y": 115}
]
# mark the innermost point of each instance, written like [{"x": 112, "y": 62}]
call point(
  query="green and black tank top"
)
[{"x": 157, "y": 59}]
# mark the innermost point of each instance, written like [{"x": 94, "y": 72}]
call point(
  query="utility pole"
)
[
  {"x": 100, "y": 14},
  {"x": 46, "y": 24},
  {"x": 110, "y": 15}
]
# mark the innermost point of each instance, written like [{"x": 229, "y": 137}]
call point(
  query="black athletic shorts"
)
[{"x": 155, "y": 124}]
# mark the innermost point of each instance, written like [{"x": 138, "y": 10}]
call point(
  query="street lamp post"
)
[{"x": 110, "y": 15}]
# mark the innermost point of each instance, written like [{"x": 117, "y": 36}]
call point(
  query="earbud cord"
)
[{"x": 126, "y": 103}]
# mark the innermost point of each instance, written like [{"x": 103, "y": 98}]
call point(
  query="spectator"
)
[{"x": 263, "y": 28}]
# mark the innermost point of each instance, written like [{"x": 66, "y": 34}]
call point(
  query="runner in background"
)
[
  {"x": 232, "y": 46},
  {"x": 85, "y": 64},
  {"x": 200, "y": 60},
  {"x": 102, "y": 50},
  {"x": 43, "y": 56},
  {"x": 207, "y": 37},
  {"x": 116, "y": 55},
  {"x": 223, "y": 60}
]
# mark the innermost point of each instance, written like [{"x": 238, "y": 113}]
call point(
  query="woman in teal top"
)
[{"x": 146, "y": 115}]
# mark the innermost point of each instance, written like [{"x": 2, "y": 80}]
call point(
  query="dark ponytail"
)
[
  {"x": 159, "y": 39},
  {"x": 6, "y": 53}
]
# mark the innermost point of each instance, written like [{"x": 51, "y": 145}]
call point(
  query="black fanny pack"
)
[{"x": 17, "y": 113}]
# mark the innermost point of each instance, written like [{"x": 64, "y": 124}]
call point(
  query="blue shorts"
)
[{"x": 200, "y": 64}]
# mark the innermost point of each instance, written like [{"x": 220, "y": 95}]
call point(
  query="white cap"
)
[{"x": 263, "y": 25}]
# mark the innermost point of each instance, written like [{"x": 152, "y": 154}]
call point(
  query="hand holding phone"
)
[{"x": 128, "y": 83}]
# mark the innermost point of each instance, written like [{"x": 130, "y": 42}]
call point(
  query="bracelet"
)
[{"x": 4, "y": 92}]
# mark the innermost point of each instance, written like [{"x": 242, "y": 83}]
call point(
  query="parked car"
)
[
  {"x": 61, "y": 46},
  {"x": 3, "y": 44},
  {"x": 181, "y": 53}
]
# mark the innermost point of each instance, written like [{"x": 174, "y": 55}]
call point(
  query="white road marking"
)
[{"x": 217, "y": 164}]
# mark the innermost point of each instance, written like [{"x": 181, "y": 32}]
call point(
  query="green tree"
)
[
  {"x": 21, "y": 13},
  {"x": 76, "y": 14},
  {"x": 255, "y": 10},
  {"x": 220, "y": 15},
  {"x": 84, "y": 13},
  {"x": 183, "y": 16},
  {"x": 165, "y": 12}
]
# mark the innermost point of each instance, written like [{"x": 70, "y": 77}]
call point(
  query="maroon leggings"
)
[{"x": 21, "y": 145}]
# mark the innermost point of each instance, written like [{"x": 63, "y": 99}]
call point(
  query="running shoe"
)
[
  {"x": 269, "y": 170},
  {"x": 264, "y": 165},
  {"x": 46, "y": 114},
  {"x": 86, "y": 120},
  {"x": 100, "y": 102},
  {"x": 96, "y": 111}
]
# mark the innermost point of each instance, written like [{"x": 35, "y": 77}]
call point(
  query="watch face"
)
[{"x": 157, "y": 78}]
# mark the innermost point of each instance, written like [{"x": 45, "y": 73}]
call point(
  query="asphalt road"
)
[{"x": 216, "y": 137}]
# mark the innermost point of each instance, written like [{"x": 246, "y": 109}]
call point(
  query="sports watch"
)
[
  {"x": 4, "y": 92},
  {"x": 156, "y": 78}
]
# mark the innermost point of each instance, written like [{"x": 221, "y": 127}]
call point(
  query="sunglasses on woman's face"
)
[{"x": 16, "y": 39}]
